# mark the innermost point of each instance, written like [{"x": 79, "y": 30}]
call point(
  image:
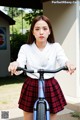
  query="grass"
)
[
  {"x": 10, "y": 88},
  {"x": 76, "y": 115}
]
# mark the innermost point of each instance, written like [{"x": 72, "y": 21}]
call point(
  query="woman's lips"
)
[{"x": 41, "y": 37}]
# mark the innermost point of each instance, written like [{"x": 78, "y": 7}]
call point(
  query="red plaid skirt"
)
[{"x": 53, "y": 95}]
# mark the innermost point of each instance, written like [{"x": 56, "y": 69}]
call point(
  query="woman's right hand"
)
[{"x": 12, "y": 68}]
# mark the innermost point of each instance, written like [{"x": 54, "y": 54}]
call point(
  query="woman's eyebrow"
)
[{"x": 40, "y": 26}]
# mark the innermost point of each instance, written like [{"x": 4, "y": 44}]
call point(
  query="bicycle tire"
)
[{"x": 41, "y": 113}]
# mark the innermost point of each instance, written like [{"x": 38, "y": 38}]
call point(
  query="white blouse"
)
[{"x": 34, "y": 59}]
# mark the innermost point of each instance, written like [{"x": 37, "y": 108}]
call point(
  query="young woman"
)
[{"x": 41, "y": 52}]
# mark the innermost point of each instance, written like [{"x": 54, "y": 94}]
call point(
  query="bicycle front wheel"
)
[{"x": 41, "y": 115}]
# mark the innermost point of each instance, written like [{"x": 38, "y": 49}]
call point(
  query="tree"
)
[
  {"x": 12, "y": 11},
  {"x": 33, "y": 13},
  {"x": 16, "y": 41}
]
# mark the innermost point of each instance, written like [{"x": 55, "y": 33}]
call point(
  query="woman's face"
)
[{"x": 41, "y": 31}]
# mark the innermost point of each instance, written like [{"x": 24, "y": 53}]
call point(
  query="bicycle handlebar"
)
[{"x": 42, "y": 70}]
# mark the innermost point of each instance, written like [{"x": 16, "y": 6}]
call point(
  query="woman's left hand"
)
[{"x": 71, "y": 67}]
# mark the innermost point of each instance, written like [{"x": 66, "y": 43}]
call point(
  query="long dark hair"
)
[{"x": 31, "y": 38}]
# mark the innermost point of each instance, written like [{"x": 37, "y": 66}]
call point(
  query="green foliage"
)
[
  {"x": 15, "y": 43},
  {"x": 13, "y": 11},
  {"x": 29, "y": 16},
  {"x": 19, "y": 24},
  {"x": 76, "y": 114}
]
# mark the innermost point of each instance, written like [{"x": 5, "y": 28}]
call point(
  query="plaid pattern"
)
[{"x": 53, "y": 95}]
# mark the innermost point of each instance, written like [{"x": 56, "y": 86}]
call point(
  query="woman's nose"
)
[{"x": 41, "y": 31}]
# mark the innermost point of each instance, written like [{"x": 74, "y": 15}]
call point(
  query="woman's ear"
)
[{"x": 49, "y": 33}]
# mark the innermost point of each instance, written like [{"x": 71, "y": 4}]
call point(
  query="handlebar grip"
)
[
  {"x": 19, "y": 69},
  {"x": 65, "y": 68},
  {"x": 24, "y": 70}
]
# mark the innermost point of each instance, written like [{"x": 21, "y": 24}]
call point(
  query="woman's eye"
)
[
  {"x": 40, "y": 29},
  {"x": 45, "y": 28},
  {"x": 37, "y": 29}
]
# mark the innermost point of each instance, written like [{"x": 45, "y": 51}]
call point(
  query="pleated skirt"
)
[{"x": 53, "y": 94}]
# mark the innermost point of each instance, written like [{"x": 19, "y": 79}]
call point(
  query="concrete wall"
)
[
  {"x": 5, "y": 54},
  {"x": 64, "y": 19}
]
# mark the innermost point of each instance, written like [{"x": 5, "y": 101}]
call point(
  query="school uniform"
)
[{"x": 47, "y": 59}]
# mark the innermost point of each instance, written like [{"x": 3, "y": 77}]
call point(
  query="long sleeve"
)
[
  {"x": 61, "y": 57},
  {"x": 22, "y": 56}
]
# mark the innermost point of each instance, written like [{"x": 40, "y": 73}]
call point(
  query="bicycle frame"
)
[{"x": 41, "y": 98}]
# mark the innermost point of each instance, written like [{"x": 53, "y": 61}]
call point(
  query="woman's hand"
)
[
  {"x": 71, "y": 67},
  {"x": 12, "y": 68}
]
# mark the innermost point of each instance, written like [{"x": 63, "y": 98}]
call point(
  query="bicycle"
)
[{"x": 41, "y": 110}]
